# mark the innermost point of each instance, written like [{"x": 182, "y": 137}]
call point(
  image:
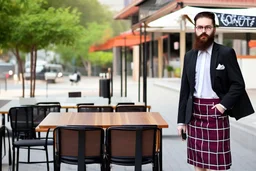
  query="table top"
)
[
  {"x": 102, "y": 119},
  {"x": 64, "y": 102}
]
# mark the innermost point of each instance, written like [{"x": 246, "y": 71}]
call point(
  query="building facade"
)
[{"x": 142, "y": 12}]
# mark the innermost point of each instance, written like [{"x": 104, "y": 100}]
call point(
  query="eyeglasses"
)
[{"x": 206, "y": 28}]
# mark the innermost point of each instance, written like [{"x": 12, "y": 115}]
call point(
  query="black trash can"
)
[{"x": 104, "y": 88}]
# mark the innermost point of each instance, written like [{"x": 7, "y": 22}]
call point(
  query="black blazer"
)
[{"x": 228, "y": 84}]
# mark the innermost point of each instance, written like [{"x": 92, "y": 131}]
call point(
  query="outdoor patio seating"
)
[
  {"x": 78, "y": 145},
  {"x": 139, "y": 142},
  {"x": 75, "y": 94},
  {"x": 93, "y": 108},
  {"x": 23, "y": 135},
  {"x": 131, "y": 108}
]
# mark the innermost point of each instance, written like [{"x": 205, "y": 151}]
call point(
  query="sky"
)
[{"x": 116, "y": 5}]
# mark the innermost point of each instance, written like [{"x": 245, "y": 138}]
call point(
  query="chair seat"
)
[
  {"x": 74, "y": 160},
  {"x": 129, "y": 161},
  {"x": 32, "y": 142}
]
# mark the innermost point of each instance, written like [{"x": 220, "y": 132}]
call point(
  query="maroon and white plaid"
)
[{"x": 209, "y": 137}]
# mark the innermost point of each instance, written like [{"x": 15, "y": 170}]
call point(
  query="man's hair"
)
[{"x": 205, "y": 14}]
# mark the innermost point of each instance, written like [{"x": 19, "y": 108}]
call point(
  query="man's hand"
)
[
  {"x": 219, "y": 107},
  {"x": 182, "y": 127}
]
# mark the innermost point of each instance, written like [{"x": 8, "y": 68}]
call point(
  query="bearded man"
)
[{"x": 212, "y": 89}]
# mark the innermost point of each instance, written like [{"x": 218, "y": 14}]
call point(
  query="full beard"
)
[{"x": 203, "y": 41}]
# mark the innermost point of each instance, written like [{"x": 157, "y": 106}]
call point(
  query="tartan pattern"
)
[{"x": 209, "y": 137}]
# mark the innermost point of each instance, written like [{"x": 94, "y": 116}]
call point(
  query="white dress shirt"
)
[{"x": 203, "y": 87}]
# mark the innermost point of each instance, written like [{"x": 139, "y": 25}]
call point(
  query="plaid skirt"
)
[{"x": 208, "y": 137}]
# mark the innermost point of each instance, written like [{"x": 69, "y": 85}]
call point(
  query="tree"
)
[
  {"x": 35, "y": 28},
  {"x": 94, "y": 33},
  {"x": 101, "y": 58},
  {"x": 9, "y": 8},
  {"x": 91, "y": 10},
  {"x": 99, "y": 26}
]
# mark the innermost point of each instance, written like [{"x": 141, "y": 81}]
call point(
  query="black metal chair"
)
[
  {"x": 75, "y": 94},
  {"x": 131, "y": 108},
  {"x": 81, "y": 104},
  {"x": 78, "y": 145},
  {"x": 23, "y": 134},
  {"x": 2, "y": 103},
  {"x": 2, "y": 128},
  {"x": 125, "y": 103},
  {"x": 2, "y": 137},
  {"x": 42, "y": 109},
  {"x": 92, "y": 108},
  {"x": 140, "y": 146},
  {"x": 48, "y": 103}
]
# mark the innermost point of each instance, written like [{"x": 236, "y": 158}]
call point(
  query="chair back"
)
[
  {"x": 42, "y": 109},
  {"x": 22, "y": 121},
  {"x": 90, "y": 108},
  {"x": 139, "y": 142},
  {"x": 77, "y": 144},
  {"x": 75, "y": 94},
  {"x": 131, "y": 108},
  {"x": 125, "y": 103},
  {"x": 48, "y": 103},
  {"x": 81, "y": 104}
]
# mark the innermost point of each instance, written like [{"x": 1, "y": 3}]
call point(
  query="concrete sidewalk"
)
[
  {"x": 163, "y": 97},
  {"x": 245, "y": 128}
]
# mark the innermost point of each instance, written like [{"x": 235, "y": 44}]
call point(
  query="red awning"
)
[
  {"x": 125, "y": 40},
  {"x": 252, "y": 43}
]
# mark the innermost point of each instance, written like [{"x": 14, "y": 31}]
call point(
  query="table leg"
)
[
  {"x": 161, "y": 151},
  {"x": 3, "y": 137},
  {"x": 3, "y": 119},
  {"x": 2, "y": 131}
]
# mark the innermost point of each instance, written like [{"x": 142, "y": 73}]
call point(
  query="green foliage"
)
[
  {"x": 177, "y": 72},
  {"x": 94, "y": 33},
  {"x": 169, "y": 68},
  {"x": 228, "y": 42},
  {"x": 101, "y": 58},
  {"x": 32, "y": 25},
  {"x": 43, "y": 27},
  {"x": 71, "y": 26},
  {"x": 98, "y": 23},
  {"x": 91, "y": 10}
]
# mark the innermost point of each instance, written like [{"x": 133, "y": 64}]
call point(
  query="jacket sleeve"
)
[
  {"x": 235, "y": 78},
  {"x": 184, "y": 93}
]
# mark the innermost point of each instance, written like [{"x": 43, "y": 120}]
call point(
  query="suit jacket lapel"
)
[
  {"x": 214, "y": 57},
  {"x": 193, "y": 70}
]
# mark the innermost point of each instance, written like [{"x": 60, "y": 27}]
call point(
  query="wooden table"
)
[
  {"x": 66, "y": 103},
  {"x": 102, "y": 119},
  {"x": 105, "y": 120}
]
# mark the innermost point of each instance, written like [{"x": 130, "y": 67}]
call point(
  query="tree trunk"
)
[
  {"x": 31, "y": 71},
  {"x": 21, "y": 70},
  {"x": 34, "y": 81},
  {"x": 85, "y": 65},
  {"x": 89, "y": 68}
]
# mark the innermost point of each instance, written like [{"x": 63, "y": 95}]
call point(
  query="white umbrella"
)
[{"x": 224, "y": 17}]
